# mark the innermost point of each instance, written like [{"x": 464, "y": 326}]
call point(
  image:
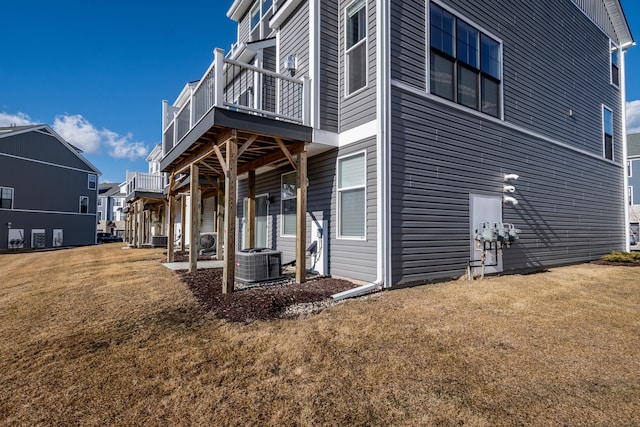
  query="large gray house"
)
[
  {"x": 401, "y": 141},
  {"x": 48, "y": 190}
]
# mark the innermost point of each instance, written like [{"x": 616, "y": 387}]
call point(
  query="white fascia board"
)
[
  {"x": 358, "y": 133},
  {"x": 619, "y": 21},
  {"x": 238, "y": 9},
  {"x": 325, "y": 137}
]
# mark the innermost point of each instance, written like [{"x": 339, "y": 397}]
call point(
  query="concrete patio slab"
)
[{"x": 201, "y": 265}]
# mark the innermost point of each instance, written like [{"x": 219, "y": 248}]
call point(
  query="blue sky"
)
[{"x": 98, "y": 72}]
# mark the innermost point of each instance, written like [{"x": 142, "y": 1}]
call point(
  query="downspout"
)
[
  {"x": 623, "y": 100},
  {"x": 383, "y": 151}
]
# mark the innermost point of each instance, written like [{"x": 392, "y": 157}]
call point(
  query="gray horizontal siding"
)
[
  {"x": 554, "y": 60},
  {"x": 347, "y": 258},
  {"x": 329, "y": 67},
  {"x": 294, "y": 38},
  {"x": 42, "y": 147},
  {"x": 569, "y": 204}
]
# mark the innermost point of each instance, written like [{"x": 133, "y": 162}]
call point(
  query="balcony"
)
[
  {"x": 141, "y": 184},
  {"x": 236, "y": 88}
]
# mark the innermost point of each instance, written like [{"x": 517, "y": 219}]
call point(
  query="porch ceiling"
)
[{"x": 260, "y": 143}]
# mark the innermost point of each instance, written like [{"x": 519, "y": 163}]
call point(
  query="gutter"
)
[{"x": 360, "y": 290}]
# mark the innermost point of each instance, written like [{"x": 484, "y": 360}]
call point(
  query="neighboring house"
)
[
  {"x": 146, "y": 203},
  {"x": 111, "y": 218},
  {"x": 393, "y": 133},
  {"x": 48, "y": 190},
  {"x": 633, "y": 174}
]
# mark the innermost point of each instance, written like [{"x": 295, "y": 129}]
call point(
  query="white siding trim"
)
[{"x": 358, "y": 133}]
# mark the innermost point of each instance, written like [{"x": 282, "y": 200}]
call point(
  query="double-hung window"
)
[
  {"x": 259, "y": 19},
  {"x": 352, "y": 196},
  {"x": 355, "y": 46},
  {"x": 84, "y": 204},
  {"x": 6, "y": 198},
  {"x": 615, "y": 64},
  {"x": 93, "y": 181},
  {"x": 288, "y": 204},
  {"x": 607, "y": 130},
  {"x": 465, "y": 64}
]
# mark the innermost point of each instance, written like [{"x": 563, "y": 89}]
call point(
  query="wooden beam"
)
[
  {"x": 140, "y": 223},
  {"x": 246, "y": 144},
  {"x": 220, "y": 224},
  {"x": 251, "y": 210},
  {"x": 270, "y": 158},
  {"x": 229, "y": 273},
  {"x": 223, "y": 164},
  {"x": 212, "y": 169},
  {"x": 213, "y": 183},
  {"x": 176, "y": 183},
  {"x": 196, "y": 157},
  {"x": 301, "y": 218},
  {"x": 195, "y": 205},
  {"x": 286, "y": 152}
]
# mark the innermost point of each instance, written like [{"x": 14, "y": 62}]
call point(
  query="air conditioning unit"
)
[
  {"x": 159, "y": 241},
  {"x": 208, "y": 243},
  {"x": 257, "y": 265}
]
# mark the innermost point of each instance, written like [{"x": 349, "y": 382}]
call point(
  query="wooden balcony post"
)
[
  {"x": 172, "y": 229},
  {"x": 195, "y": 207},
  {"x": 229, "y": 272},
  {"x": 218, "y": 55},
  {"x": 220, "y": 224},
  {"x": 183, "y": 222},
  {"x": 301, "y": 217},
  {"x": 251, "y": 210},
  {"x": 140, "y": 222}
]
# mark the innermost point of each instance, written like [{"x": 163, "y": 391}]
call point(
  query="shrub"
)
[{"x": 619, "y": 256}]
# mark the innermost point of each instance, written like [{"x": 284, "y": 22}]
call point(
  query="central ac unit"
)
[
  {"x": 257, "y": 265},
  {"x": 208, "y": 243}
]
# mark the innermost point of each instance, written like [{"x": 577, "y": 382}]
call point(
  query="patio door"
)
[{"x": 261, "y": 225}]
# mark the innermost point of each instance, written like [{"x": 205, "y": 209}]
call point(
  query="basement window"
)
[{"x": 288, "y": 202}]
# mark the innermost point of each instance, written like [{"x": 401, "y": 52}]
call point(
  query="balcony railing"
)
[
  {"x": 147, "y": 182},
  {"x": 240, "y": 87}
]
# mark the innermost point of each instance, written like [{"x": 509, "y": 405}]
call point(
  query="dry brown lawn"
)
[{"x": 106, "y": 336}]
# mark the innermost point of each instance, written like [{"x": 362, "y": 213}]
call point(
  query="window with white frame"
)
[
  {"x": 260, "y": 15},
  {"x": 355, "y": 28},
  {"x": 465, "y": 63},
  {"x": 607, "y": 131},
  {"x": 351, "y": 193},
  {"x": 99, "y": 201},
  {"x": 117, "y": 202},
  {"x": 6, "y": 198},
  {"x": 93, "y": 180},
  {"x": 630, "y": 195},
  {"x": 288, "y": 201},
  {"x": 615, "y": 64},
  {"x": 629, "y": 168},
  {"x": 84, "y": 204}
]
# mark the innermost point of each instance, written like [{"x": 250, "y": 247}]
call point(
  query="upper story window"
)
[
  {"x": 607, "y": 130},
  {"x": 93, "y": 181},
  {"x": 288, "y": 204},
  {"x": 615, "y": 65},
  {"x": 629, "y": 168},
  {"x": 260, "y": 14},
  {"x": 465, "y": 63},
  {"x": 355, "y": 46},
  {"x": 99, "y": 201},
  {"x": 6, "y": 198}
]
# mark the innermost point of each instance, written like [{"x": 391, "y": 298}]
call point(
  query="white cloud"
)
[
  {"x": 80, "y": 132},
  {"x": 633, "y": 116},
  {"x": 19, "y": 119}
]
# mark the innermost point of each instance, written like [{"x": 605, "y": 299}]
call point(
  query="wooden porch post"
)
[
  {"x": 183, "y": 221},
  {"x": 194, "y": 241},
  {"x": 301, "y": 217},
  {"x": 140, "y": 223},
  {"x": 229, "y": 272},
  {"x": 251, "y": 211},
  {"x": 171, "y": 228},
  {"x": 220, "y": 224}
]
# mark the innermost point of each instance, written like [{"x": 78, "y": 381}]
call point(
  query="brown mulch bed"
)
[
  {"x": 261, "y": 302},
  {"x": 183, "y": 256}
]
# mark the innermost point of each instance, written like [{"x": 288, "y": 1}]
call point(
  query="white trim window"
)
[
  {"x": 629, "y": 168},
  {"x": 630, "y": 189},
  {"x": 6, "y": 198},
  {"x": 260, "y": 19},
  {"x": 352, "y": 196},
  {"x": 355, "y": 39},
  {"x": 92, "y": 182},
  {"x": 84, "y": 205},
  {"x": 465, "y": 63},
  {"x": 607, "y": 132},
  {"x": 615, "y": 64},
  {"x": 288, "y": 204}
]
